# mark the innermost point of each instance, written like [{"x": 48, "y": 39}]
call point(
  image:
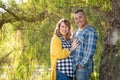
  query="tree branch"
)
[
  {"x": 2, "y": 59},
  {"x": 13, "y": 14}
]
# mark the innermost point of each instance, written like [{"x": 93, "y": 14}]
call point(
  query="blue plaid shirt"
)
[{"x": 84, "y": 53}]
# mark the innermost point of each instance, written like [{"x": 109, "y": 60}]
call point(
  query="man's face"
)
[{"x": 80, "y": 19}]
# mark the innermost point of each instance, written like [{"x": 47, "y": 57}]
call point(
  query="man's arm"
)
[{"x": 90, "y": 48}]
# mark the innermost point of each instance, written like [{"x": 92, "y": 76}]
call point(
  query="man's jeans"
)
[
  {"x": 61, "y": 76},
  {"x": 82, "y": 74}
]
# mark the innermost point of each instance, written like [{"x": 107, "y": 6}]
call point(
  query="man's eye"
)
[
  {"x": 75, "y": 18},
  {"x": 80, "y": 16}
]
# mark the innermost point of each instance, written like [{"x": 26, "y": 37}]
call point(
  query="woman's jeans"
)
[
  {"x": 61, "y": 76},
  {"x": 82, "y": 74}
]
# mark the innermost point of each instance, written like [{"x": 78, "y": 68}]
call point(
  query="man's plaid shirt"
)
[
  {"x": 84, "y": 53},
  {"x": 65, "y": 65}
]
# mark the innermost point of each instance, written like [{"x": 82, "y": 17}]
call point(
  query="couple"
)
[{"x": 73, "y": 57}]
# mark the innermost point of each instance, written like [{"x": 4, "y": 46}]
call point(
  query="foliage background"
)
[{"x": 27, "y": 29}]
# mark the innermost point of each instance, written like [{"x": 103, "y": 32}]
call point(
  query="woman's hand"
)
[{"x": 74, "y": 44}]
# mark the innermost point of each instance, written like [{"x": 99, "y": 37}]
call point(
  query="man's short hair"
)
[{"x": 79, "y": 10}]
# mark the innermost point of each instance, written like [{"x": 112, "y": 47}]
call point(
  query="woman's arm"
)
[{"x": 56, "y": 49}]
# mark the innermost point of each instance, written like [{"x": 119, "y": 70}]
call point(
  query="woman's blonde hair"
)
[{"x": 57, "y": 29}]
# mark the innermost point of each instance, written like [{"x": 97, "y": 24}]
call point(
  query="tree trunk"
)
[{"x": 110, "y": 60}]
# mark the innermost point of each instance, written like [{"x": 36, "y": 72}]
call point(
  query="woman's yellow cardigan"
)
[{"x": 56, "y": 52}]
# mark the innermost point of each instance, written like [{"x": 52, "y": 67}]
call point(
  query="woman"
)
[{"x": 61, "y": 60}]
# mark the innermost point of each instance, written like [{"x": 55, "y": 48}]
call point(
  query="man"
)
[{"x": 83, "y": 54}]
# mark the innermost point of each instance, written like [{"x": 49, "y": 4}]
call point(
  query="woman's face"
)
[{"x": 64, "y": 29}]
